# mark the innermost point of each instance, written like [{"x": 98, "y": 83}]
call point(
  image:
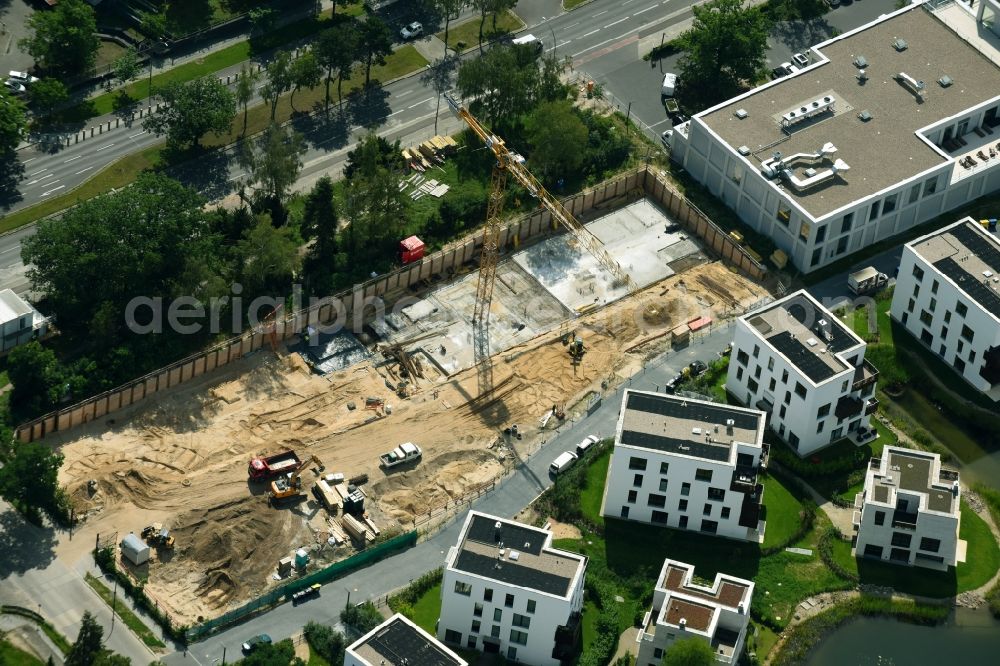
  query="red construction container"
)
[{"x": 411, "y": 249}]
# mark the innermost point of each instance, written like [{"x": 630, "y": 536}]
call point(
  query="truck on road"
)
[
  {"x": 262, "y": 468},
  {"x": 404, "y": 453},
  {"x": 866, "y": 281}
]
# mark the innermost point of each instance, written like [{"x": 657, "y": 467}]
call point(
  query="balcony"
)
[
  {"x": 904, "y": 521},
  {"x": 744, "y": 479},
  {"x": 948, "y": 475},
  {"x": 848, "y": 407},
  {"x": 567, "y": 638},
  {"x": 724, "y": 645},
  {"x": 871, "y": 406},
  {"x": 865, "y": 375}
]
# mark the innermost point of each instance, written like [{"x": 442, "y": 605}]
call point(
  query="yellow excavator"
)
[{"x": 290, "y": 485}]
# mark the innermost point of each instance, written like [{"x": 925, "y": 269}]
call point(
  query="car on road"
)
[
  {"x": 582, "y": 447},
  {"x": 801, "y": 60},
  {"x": 14, "y": 87},
  {"x": 412, "y": 31},
  {"x": 256, "y": 642},
  {"x": 697, "y": 368},
  {"x": 306, "y": 593},
  {"x": 562, "y": 462},
  {"x": 669, "y": 85},
  {"x": 666, "y": 137},
  {"x": 21, "y": 77}
]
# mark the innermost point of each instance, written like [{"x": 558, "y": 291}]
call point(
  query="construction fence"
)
[
  {"x": 332, "y": 572},
  {"x": 350, "y": 306}
]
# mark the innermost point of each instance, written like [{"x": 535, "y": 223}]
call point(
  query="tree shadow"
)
[
  {"x": 800, "y": 35},
  {"x": 23, "y": 546},
  {"x": 325, "y": 131},
  {"x": 207, "y": 171},
  {"x": 125, "y": 107},
  {"x": 11, "y": 173},
  {"x": 369, "y": 107}
]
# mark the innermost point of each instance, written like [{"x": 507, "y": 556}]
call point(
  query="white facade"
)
[
  {"x": 687, "y": 464},
  {"x": 399, "y": 642},
  {"x": 798, "y": 362},
  {"x": 20, "y": 322},
  {"x": 718, "y": 614},
  {"x": 506, "y": 590},
  {"x": 947, "y": 296},
  {"x": 909, "y": 511},
  {"x": 909, "y": 169}
]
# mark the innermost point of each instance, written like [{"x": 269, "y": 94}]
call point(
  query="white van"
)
[
  {"x": 528, "y": 39},
  {"x": 669, "y": 84},
  {"x": 562, "y": 463}
]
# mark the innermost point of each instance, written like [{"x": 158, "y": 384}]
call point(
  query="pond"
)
[{"x": 969, "y": 637}]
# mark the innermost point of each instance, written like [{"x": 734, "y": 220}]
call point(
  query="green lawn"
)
[
  {"x": 588, "y": 625},
  {"x": 427, "y": 610},
  {"x": 467, "y": 33},
  {"x": 846, "y": 485},
  {"x": 15, "y": 657},
  {"x": 593, "y": 493},
  {"x": 783, "y": 509},
  {"x": 765, "y": 640},
  {"x": 315, "y": 659},
  {"x": 572, "y": 4},
  {"x": 130, "y": 619}
]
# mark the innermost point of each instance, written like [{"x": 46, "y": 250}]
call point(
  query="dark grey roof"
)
[
  {"x": 514, "y": 535},
  {"x": 716, "y": 452},
  {"x": 399, "y": 643},
  {"x": 971, "y": 284},
  {"x": 511, "y": 573},
  {"x": 695, "y": 411}
]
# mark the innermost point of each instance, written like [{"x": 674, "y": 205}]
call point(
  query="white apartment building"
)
[
  {"x": 399, "y": 642},
  {"x": 908, "y": 512},
  {"x": 506, "y": 590},
  {"x": 20, "y": 322},
  {"x": 718, "y": 614},
  {"x": 889, "y": 126},
  {"x": 687, "y": 464},
  {"x": 798, "y": 362},
  {"x": 948, "y": 296}
]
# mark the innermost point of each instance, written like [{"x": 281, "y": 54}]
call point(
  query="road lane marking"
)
[
  {"x": 571, "y": 25},
  {"x": 45, "y": 194},
  {"x": 39, "y": 171},
  {"x": 423, "y": 101},
  {"x": 71, "y": 159},
  {"x": 558, "y": 45},
  {"x": 598, "y": 14},
  {"x": 139, "y": 134},
  {"x": 82, "y": 170},
  {"x": 644, "y": 10},
  {"x": 31, "y": 160},
  {"x": 405, "y": 92},
  {"x": 618, "y": 21},
  {"x": 620, "y": 39},
  {"x": 395, "y": 112},
  {"x": 103, "y": 147},
  {"x": 592, "y": 32}
]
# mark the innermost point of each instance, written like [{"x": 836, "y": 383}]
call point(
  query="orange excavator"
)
[{"x": 290, "y": 485}]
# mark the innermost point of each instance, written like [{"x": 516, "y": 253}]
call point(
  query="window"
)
[
  {"x": 463, "y": 588},
  {"x": 972, "y": 356},
  {"x": 706, "y": 510},
  {"x": 725, "y": 513},
  {"x": 926, "y": 337},
  {"x": 709, "y": 526},
  {"x": 659, "y": 517},
  {"x": 488, "y": 595},
  {"x": 932, "y": 545},
  {"x": 930, "y": 186},
  {"x": 944, "y": 332},
  {"x": 511, "y": 653},
  {"x": 942, "y": 350},
  {"x": 518, "y": 637},
  {"x": 804, "y": 230},
  {"x": 522, "y": 621},
  {"x": 873, "y": 213},
  {"x": 934, "y": 287},
  {"x": 788, "y": 397},
  {"x": 659, "y": 501},
  {"x": 845, "y": 224},
  {"x": 871, "y": 550},
  {"x": 842, "y": 245},
  {"x": 967, "y": 333},
  {"x": 819, "y": 427},
  {"x": 961, "y": 346},
  {"x": 658, "y": 653},
  {"x": 784, "y": 376},
  {"x": 682, "y": 505},
  {"x": 959, "y": 364},
  {"x": 703, "y": 475},
  {"x": 509, "y": 601},
  {"x": 664, "y": 468},
  {"x": 823, "y": 411},
  {"x": 663, "y": 485},
  {"x": 497, "y": 615},
  {"x": 452, "y": 636},
  {"x": 821, "y": 234},
  {"x": 918, "y": 272},
  {"x": 685, "y": 489},
  {"x": 914, "y": 194},
  {"x": 495, "y": 631},
  {"x": 916, "y": 290},
  {"x": 683, "y": 522},
  {"x": 947, "y": 316},
  {"x": 756, "y": 372},
  {"x": 742, "y": 357},
  {"x": 478, "y": 610},
  {"x": 910, "y": 305},
  {"x": 756, "y": 351},
  {"x": 906, "y": 315},
  {"x": 800, "y": 390},
  {"x": 835, "y": 435},
  {"x": 771, "y": 384},
  {"x": 889, "y": 204},
  {"x": 781, "y": 412},
  {"x": 961, "y": 309},
  {"x": 925, "y": 317},
  {"x": 816, "y": 256},
  {"x": 784, "y": 213},
  {"x": 739, "y": 374},
  {"x": 901, "y": 539},
  {"x": 637, "y": 463},
  {"x": 752, "y": 385},
  {"x": 531, "y": 605},
  {"x": 716, "y": 494},
  {"x": 624, "y": 512},
  {"x": 793, "y": 440},
  {"x": 471, "y": 643},
  {"x": 476, "y": 625},
  {"x": 632, "y": 496},
  {"x": 637, "y": 480},
  {"x": 933, "y": 305}
]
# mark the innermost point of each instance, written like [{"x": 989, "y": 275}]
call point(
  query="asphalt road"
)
[{"x": 512, "y": 495}]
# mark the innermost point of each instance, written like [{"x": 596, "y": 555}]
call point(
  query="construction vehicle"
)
[
  {"x": 262, "y": 468},
  {"x": 866, "y": 281},
  {"x": 576, "y": 350},
  {"x": 290, "y": 485},
  {"x": 509, "y": 162},
  {"x": 404, "y": 453},
  {"x": 157, "y": 536}
]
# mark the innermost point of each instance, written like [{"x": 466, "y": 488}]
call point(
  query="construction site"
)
[{"x": 300, "y": 455}]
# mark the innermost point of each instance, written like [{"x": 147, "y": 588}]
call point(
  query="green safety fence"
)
[{"x": 332, "y": 572}]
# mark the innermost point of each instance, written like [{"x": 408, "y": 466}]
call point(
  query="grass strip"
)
[
  {"x": 572, "y": 4},
  {"x": 466, "y": 33},
  {"x": 130, "y": 619},
  {"x": 12, "y": 655}
]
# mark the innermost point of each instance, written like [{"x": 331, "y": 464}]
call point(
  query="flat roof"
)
[
  {"x": 397, "y": 641},
  {"x": 695, "y": 616},
  {"x": 726, "y": 591},
  {"x": 805, "y": 333},
  {"x": 885, "y": 150},
  {"x": 969, "y": 256},
  {"x": 683, "y": 426},
  {"x": 12, "y": 306},
  {"x": 526, "y": 562},
  {"x": 913, "y": 471}
]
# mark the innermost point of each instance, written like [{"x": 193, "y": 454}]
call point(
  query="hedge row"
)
[
  {"x": 605, "y": 643},
  {"x": 826, "y": 554},
  {"x": 856, "y": 458}
]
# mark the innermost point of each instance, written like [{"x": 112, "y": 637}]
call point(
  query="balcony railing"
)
[
  {"x": 904, "y": 521},
  {"x": 865, "y": 375},
  {"x": 871, "y": 406},
  {"x": 948, "y": 474}
]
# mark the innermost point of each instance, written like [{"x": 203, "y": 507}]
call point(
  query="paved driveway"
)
[{"x": 14, "y": 16}]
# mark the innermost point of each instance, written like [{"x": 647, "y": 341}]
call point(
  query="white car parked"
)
[
  {"x": 14, "y": 87},
  {"x": 411, "y": 31},
  {"x": 21, "y": 77}
]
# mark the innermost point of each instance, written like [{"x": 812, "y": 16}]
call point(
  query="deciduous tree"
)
[
  {"x": 126, "y": 67},
  {"x": 274, "y": 161},
  {"x": 193, "y": 109},
  {"x": 63, "y": 40},
  {"x": 13, "y": 120},
  {"x": 689, "y": 652},
  {"x": 279, "y": 80},
  {"x": 29, "y": 480},
  {"x": 268, "y": 257},
  {"x": 558, "y": 139},
  {"x": 375, "y": 43},
  {"x": 336, "y": 52},
  {"x": 448, "y": 9},
  {"x": 504, "y": 83},
  {"x": 377, "y": 210},
  {"x": 46, "y": 94},
  {"x": 305, "y": 74},
  {"x": 246, "y": 86}
]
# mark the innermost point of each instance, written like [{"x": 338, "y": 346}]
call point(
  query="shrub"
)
[
  {"x": 826, "y": 554},
  {"x": 412, "y": 593},
  {"x": 608, "y": 620},
  {"x": 325, "y": 641},
  {"x": 363, "y": 617}
]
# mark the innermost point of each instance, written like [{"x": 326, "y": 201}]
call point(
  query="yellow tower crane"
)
[{"x": 509, "y": 162}]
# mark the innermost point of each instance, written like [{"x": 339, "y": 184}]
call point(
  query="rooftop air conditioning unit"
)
[
  {"x": 945, "y": 81},
  {"x": 695, "y": 431},
  {"x": 900, "y": 44},
  {"x": 741, "y": 113},
  {"x": 743, "y": 150},
  {"x": 730, "y": 422},
  {"x": 860, "y": 62},
  {"x": 683, "y": 623}
]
